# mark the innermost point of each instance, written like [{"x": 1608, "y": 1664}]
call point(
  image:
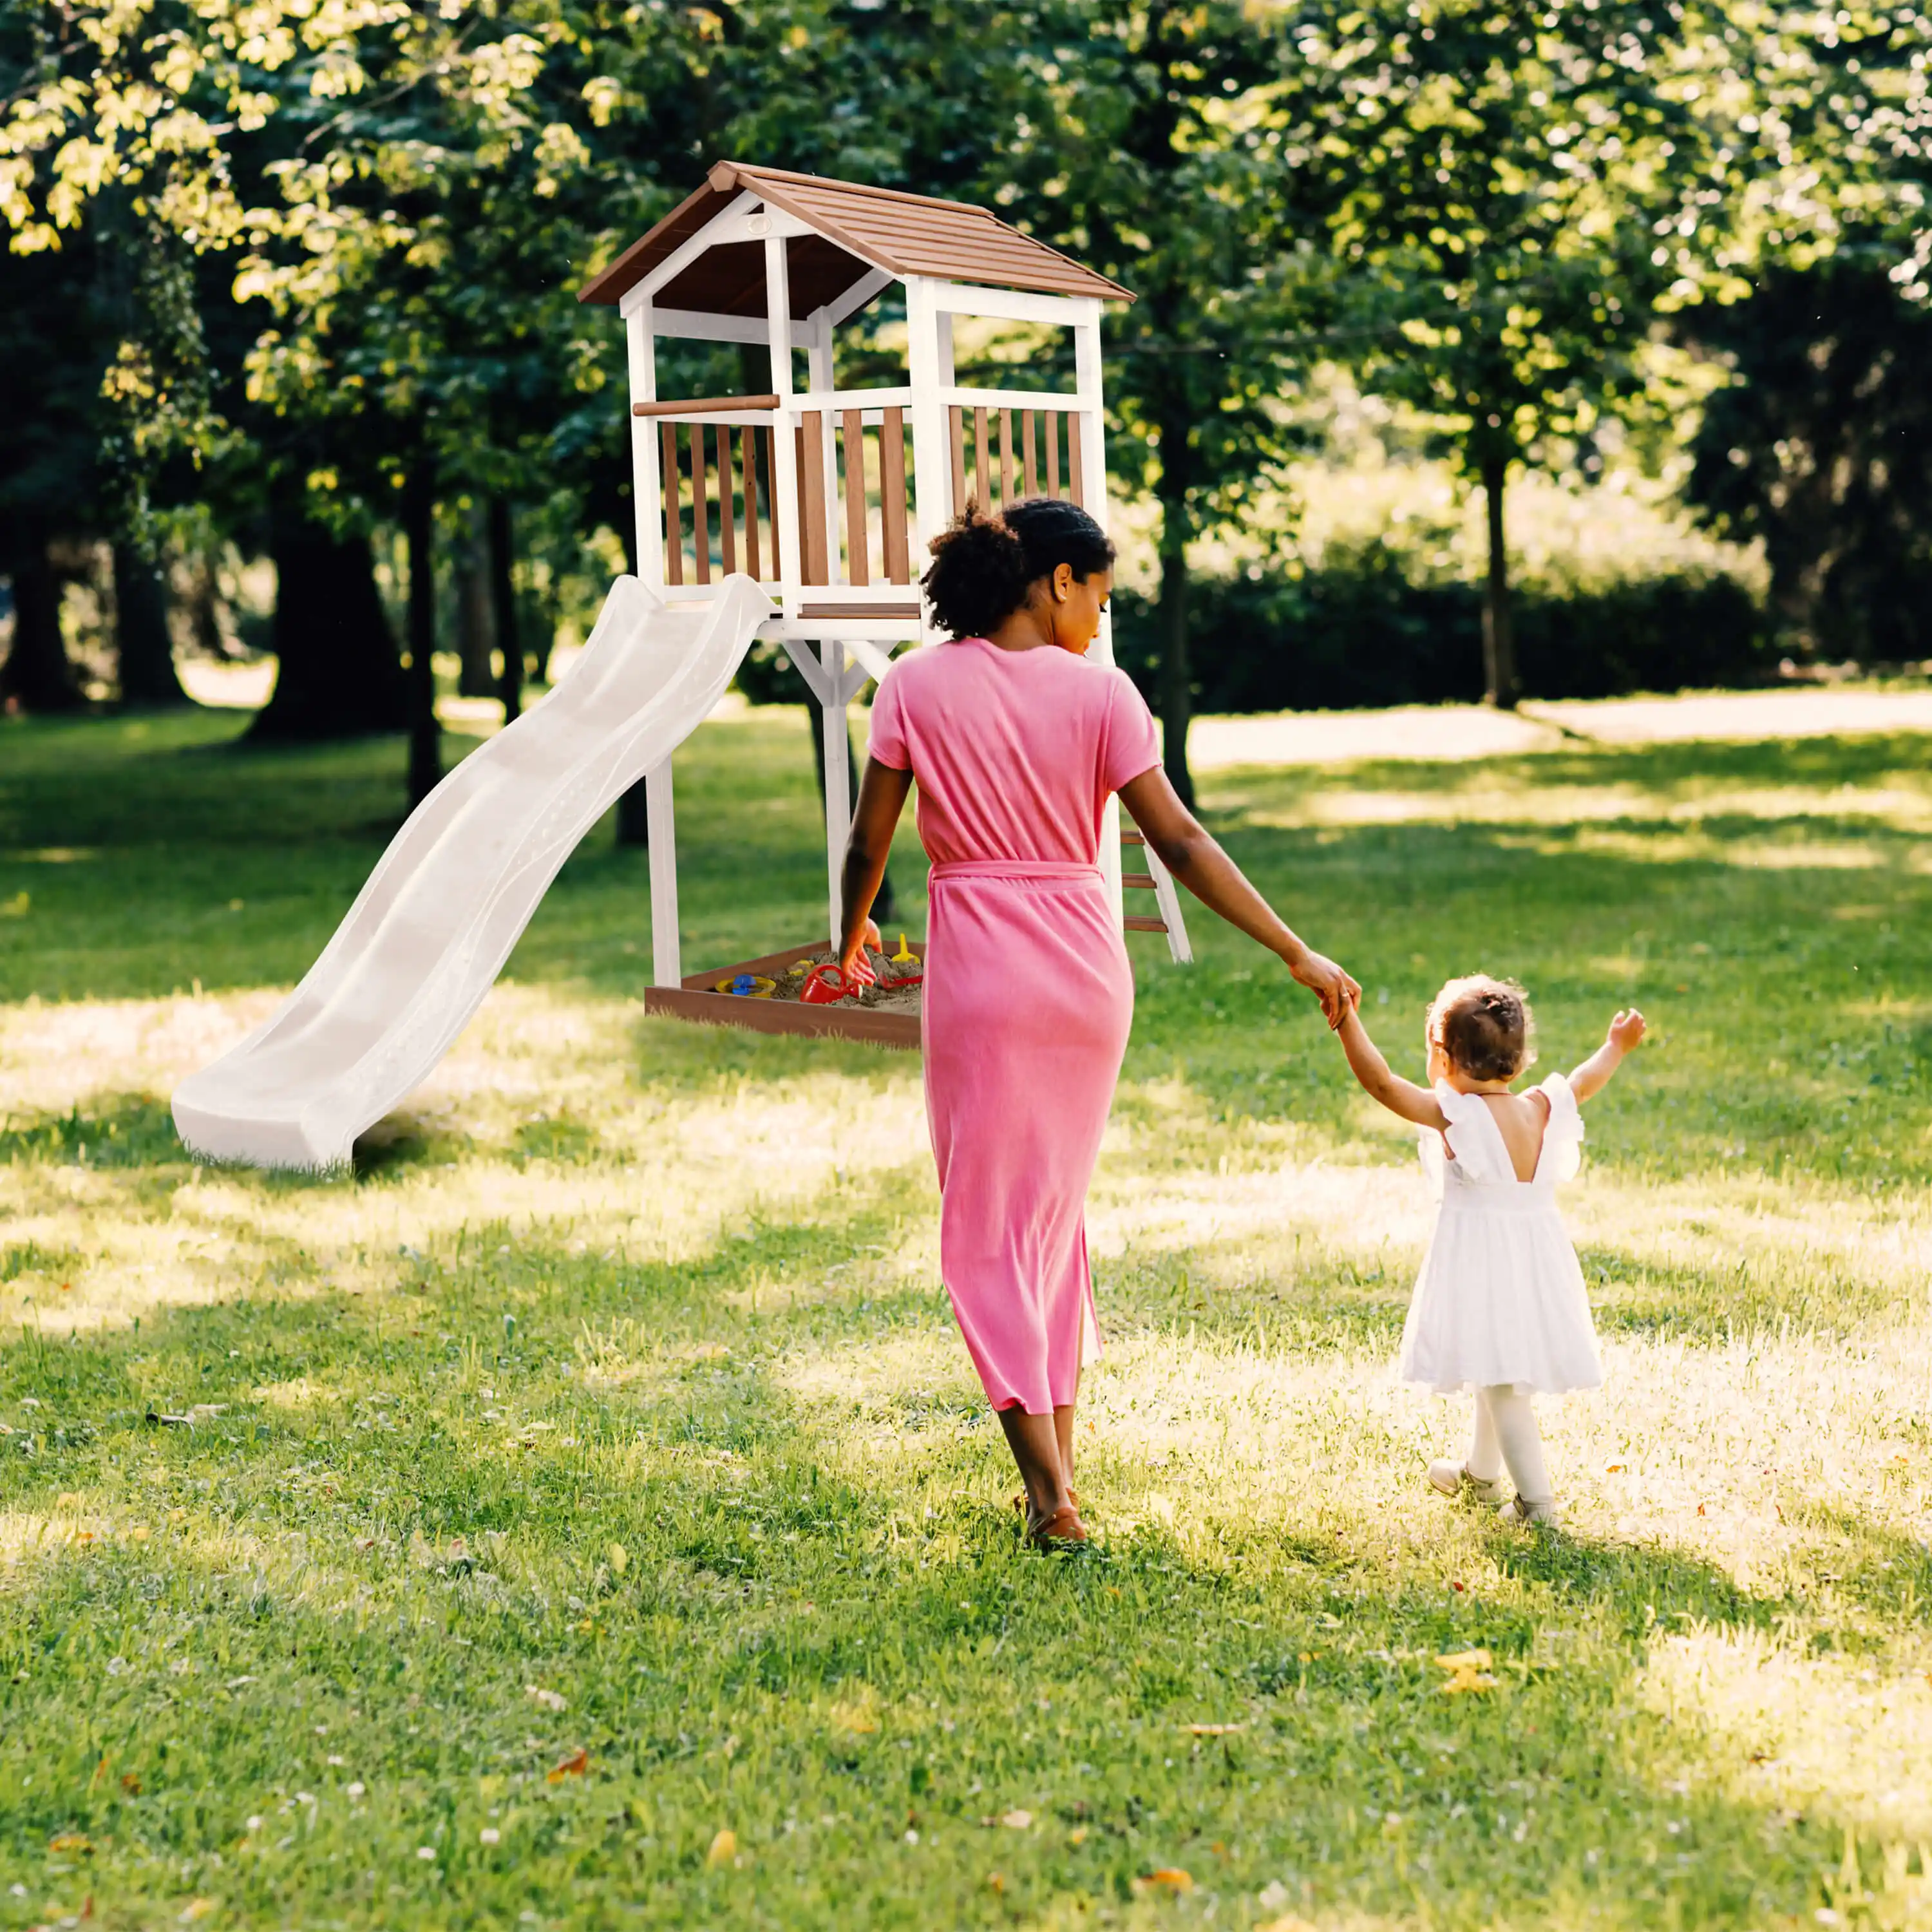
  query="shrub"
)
[{"x": 1360, "y": 632}]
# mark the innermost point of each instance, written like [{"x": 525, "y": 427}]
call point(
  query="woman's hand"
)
[
  {"x": 858, "y": 970},
  {"x": 1336, "y": 991}
]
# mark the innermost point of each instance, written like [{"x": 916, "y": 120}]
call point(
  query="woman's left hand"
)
[
  {"x": 1335, "y": 989},
  {"x": 858, "y": 970}
]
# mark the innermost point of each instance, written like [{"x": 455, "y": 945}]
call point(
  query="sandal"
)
[
  {"x": 1452, "y": 1480},
  {"x": 1020, "y": 1501},
  {"x": 1061, "y": 1530}
]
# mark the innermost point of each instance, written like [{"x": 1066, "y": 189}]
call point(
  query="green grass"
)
[{"x": 619, "y": 1372}]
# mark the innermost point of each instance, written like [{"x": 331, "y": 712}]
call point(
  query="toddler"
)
[{"x": 1500, "y": 1306}]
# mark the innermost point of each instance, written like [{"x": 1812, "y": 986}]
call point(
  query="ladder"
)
[{"x": 1159, "y": 881}]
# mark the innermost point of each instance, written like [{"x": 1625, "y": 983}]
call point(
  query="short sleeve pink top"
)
[{"x": 1016, "y": 752}]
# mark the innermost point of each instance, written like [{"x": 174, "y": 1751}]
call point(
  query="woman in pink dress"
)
[{"x": 1016, "y": 741}]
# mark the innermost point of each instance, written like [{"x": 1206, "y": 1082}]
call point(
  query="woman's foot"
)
[
  {"x": 1061, "y": 1529},
  {"x": 1453, "y": 1479},
  {"x": 1020, "y": 1500}
]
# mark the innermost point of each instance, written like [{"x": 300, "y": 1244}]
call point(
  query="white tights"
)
[{"x": 1506, "y": 1433}]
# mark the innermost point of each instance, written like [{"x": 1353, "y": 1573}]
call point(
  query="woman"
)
[{"x": 1016, "y": 743}]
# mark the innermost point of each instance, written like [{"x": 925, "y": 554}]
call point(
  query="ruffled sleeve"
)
[
  {"x": 1475, "y": 1141},
  {"x": 1563, "y": 1137}
]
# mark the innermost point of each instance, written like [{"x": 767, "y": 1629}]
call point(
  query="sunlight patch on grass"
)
[{"x": 1849, "y": 1735}]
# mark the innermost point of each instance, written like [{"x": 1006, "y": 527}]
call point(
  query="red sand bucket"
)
[{"x": 824, "y": 985}]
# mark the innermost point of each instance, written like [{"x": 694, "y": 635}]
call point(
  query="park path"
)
[{"x": 1472, "y": 731}]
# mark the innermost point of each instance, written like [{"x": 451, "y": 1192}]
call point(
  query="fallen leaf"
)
[
  {"x": 196, "y": 1908},
  {"x": 1017, "y": 1821},
  {"x": 575, "y": 1765},
  {"x": 1214, "y": 1730},
  {"x": 1169, "y": 1878},
  {"x": 1078, "y": 1836},
  {"x": 995, "y": 1882},
  {"x": 551, "y": 1700},
  {"x": 618, "y": 1558},
  {"x": 1468, "y": 1670},
  {"x": 1616, "y": 1468},
  {"x": 1465, "y": 1660},
  {"x": 130, "y": 1784},
  {"x": 70, "y": 1841},
  {"x": 723, "y": 1849},
  {"x": 1288, "y": 1921}
]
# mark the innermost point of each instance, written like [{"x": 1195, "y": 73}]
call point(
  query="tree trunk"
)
[
  {"x": 503, "y": 606},
  {"x": 37, "y": 675},
  {"x": 419, "y": 531},
  {"x": 475, "y": 625},
  {"x": 146, "y": 650},
  {"x": 338, "y": 674},
  {"x": 885, "y": 902},
  {"x": 1177, "y": 680},
  {"x": 1499, "y": 630}
]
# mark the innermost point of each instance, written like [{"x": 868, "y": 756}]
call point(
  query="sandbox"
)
[{"x": 886, "y": 1014}]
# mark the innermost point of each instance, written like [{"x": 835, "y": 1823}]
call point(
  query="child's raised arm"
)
[
  {"x": 1594, "y": 1075},
  {"x": 1400, "y": 1096}
]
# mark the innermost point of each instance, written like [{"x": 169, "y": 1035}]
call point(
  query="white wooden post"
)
[
  {"x": 818, "y": 363},
  {"x": 788, "y": 565},
  {"x": 929, "y": 371},
  {"x": 646, "y": 490},
  {"x": 832, "y": 719},
  {"x": 1089, "y": 427},
  {"x": 647, "y": 477}
]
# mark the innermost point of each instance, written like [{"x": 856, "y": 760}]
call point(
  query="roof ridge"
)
[{"x": 758, "y": 171}]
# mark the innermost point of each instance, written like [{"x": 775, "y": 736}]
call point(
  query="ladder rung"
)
[
  {"x": 1143, "y": 880},
  {"x": 1133, "y": 838},
  {"x": 1144, "y": 925}
]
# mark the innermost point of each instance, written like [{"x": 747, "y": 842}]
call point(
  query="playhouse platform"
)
[{"x": 698, "y": 1000}]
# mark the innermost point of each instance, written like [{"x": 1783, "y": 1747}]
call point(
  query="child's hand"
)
[
  {"x": 1626, "y": 1030},
  {"x": 858, "y": 970}
]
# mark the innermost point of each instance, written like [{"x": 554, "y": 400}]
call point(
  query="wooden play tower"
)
[{"x": 827, "y": 497}]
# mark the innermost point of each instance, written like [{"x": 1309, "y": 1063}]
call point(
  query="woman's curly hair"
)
[
  {"x": 1484, "y": 1026},
  {"x": 984, "y": 567}
]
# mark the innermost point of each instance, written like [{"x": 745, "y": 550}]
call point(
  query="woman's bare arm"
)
[
  {"x": 882, "y": 797},
  {"x": 1188, "y": 850},
  {"x": 1398, "y": 1095}
]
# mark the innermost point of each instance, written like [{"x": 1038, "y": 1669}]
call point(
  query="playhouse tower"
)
[{"x": 827, "y": 497}]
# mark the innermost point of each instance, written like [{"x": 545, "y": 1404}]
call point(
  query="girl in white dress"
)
[{"x": 1500, "y": 1307}]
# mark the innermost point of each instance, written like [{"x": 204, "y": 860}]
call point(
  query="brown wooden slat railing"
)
[
  {"x": 694, "y": 406},
  {"x": 1053, "y": 455},
  {"x": 1029, "y": 468},
  {"x": 753, "y": 440},
  {"x": 674, "y": 545},
  {"x": 956, "y": 419},
  {"x": 811, "y": 497},
  {"x": 858, "y": 560},
  {"x": 1006, "y": 497},
  {"x": 700, "y": 505},
  {"x": 727, "y": 514},
  {"x": 893, "y": 504}
]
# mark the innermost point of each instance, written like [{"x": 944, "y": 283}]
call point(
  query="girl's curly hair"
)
[
  {"x": 984, "y": 567},
  {"x": 1484, "y": 1026}
]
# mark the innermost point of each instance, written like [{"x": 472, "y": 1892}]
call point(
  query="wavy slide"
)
[{"x": 429, "y": 931}]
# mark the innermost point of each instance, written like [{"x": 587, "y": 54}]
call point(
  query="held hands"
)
[
  {"x": 1626, "y": 1030},
  {"x": 1335, "y": 989},
  {"x": 858, "y": 970}
]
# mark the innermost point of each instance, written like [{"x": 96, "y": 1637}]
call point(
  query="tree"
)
[
  {"x": 1821, "y": 449},
  {"x": 1516, "y": 193},
  {"x": 1144, "y": 156}
]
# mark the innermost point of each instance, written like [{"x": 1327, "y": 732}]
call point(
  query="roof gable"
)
[{"x": 857, "y": 229}]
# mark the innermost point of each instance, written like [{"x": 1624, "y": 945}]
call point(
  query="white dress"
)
[{"x": 1501, "y": 1297}]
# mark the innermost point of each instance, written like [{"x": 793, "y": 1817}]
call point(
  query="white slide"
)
[{"x": 429, "y": 931}]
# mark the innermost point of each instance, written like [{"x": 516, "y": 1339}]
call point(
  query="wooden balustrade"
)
[
  {"x": 854, "y": 526},
  {"x": 995, "y": 477}
]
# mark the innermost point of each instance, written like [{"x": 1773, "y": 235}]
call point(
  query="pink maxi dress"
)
[{"x": 1028, "y": 993}]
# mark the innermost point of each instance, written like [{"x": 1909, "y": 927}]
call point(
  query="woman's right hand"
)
[{"x": 1335, "y": 988}]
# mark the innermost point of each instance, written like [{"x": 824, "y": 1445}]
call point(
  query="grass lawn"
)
[{"x": 585, "y": 1515}]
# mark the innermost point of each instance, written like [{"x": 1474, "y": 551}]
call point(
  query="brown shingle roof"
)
[{"x": 858, "y": 229}]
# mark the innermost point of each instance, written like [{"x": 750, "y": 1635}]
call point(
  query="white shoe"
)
[
  {"x": 1452, "y": 1479},
  {"x": 1538, "y": 1515}
]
